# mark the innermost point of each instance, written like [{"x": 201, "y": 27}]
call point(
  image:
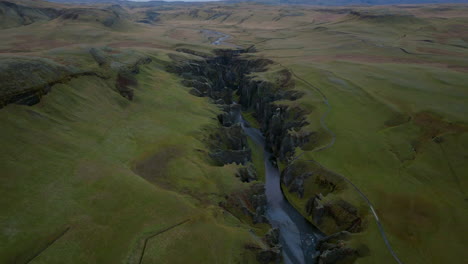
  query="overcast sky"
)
[{"x": 178, "y": 0}]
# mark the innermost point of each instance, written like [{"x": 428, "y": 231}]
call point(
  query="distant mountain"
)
[
  {"x": 297, "y": 2},
  {"x": 87, "y": 1},
  {"x": 352, "y": 2},
  {"x": 123, "y": 2}
]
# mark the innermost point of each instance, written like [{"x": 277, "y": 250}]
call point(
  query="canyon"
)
[{"x": 232, "y": 133}]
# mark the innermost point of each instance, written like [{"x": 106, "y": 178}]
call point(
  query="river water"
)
[
  {"x": 220, "y": 38},
  {"x": 297, "y": 236}
]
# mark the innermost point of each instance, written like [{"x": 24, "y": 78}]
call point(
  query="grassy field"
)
[
  {"x": 72, "y": 181},
  {"x": 68, "y": 163},
  {"x": 87, "y": 176}
]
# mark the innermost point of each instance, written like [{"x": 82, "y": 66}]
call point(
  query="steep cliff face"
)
[
  {"x": 19, "y": 86},
  {"x": 340, "y": 219},
  {"x": 327, "y": 212}
]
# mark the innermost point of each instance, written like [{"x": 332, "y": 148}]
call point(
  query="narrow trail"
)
[
  {"x": 48, "y": 245},
  {"x": 145, "y": 242}
]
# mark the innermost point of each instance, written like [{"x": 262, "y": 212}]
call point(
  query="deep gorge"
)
[{"x": 226, "y": 79}]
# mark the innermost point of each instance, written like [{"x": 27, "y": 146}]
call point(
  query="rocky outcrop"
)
[
  {"x": 272, "y": 252},
  {"x": 270, "y": 255},
  {"x": 231, "y": 114},
  {"x": 247, "y": 174},
  {"x": 228, "y": 145},
  {"x": 251, "y": 203},
  {"x": 281, "y": 124},
  {"x": 336, "y": 214},
  {"x": 272, "y": 237},
  {"x": 332, "y": 215},
  {"x": 25, "y": 80},
  {"x": 19, "y": 86},
  {"x": 337, "y": 254},
  {"x": 218, "y": 78},
  {"x": 334, "y": 249}
]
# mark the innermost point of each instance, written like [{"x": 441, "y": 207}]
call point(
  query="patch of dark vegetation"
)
[
  {"x": 154, "y": 167},
  {"x": 397, "y": 119},
  {"x": 433, "y": 128},
  {"x": 124, "y": 84},
  {"x": 125, "y": 79}
]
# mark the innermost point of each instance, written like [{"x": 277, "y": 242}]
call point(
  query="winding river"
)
[{"x": 298, "y": 237}]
